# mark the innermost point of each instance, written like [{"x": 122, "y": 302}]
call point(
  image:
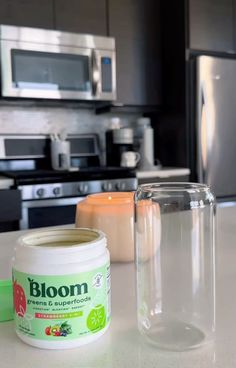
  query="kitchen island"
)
[{"x": 122, "y": 346}]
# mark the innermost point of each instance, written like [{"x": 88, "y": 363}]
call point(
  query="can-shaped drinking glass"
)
[{"x": 175, "y": 263}]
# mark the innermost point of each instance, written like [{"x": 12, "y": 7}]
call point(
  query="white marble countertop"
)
[
  {"x": 5, "y": 182},
  {"x": 164, "y": 172},
  {"x": 122, "y": 346}
]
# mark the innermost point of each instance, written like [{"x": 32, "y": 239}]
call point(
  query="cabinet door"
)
[
  {"x": 83, "y": 16},
  {"x": 135, "y": 24},
  {"x": 28, "y": 13},
  {"x": 10, "y": 205},
  {"x": 211, "y": 25}
]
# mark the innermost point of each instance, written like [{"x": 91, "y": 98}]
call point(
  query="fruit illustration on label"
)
[
  {"x": 63, "y": 329},
  {"x": 19, "y": 299},
  {"x": 48, "y": 330},
  {"x": 96, "y": 319},
  {"x": 54, "y": 330}
]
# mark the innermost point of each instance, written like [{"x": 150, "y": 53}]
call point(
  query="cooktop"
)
[{"x": 52, "y": 176}]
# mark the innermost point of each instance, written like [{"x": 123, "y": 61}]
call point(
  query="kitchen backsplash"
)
[{"x": 46, "y": 120}]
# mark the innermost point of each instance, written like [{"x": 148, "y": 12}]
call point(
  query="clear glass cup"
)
[{"x": 175, "y": 263}]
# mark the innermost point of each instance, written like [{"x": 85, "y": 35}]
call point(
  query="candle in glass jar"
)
[{"x": 112, "y": 213}]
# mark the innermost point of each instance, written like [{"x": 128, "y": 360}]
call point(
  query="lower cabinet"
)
[{"x": 10, "y": 209}]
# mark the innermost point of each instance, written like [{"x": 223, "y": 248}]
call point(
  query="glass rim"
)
[{"x": 174, "y": 187}]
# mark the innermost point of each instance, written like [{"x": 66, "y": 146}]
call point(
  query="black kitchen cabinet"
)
[
  {"x": 10, "y": 210},
  {"x": 189, "y": 28},
  {"x": 135, "y": 24},
  {"x": 83, "y": 16},
  {"x": 211, "y": 25},
  {"x": 27, "y": 13}
]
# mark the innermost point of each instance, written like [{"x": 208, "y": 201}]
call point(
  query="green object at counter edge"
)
[{"x": 6, "y": 300}]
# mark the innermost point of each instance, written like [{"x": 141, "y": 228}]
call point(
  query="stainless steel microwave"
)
[{"x": 37, "y": 63}]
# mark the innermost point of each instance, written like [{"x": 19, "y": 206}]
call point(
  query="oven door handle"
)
[
  {"x": 24, "y": 222},
  {"x": 51, "y": 202}
]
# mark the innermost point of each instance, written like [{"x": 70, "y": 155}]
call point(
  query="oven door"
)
[
  {"x": 48, "y": 212},
  {"x": 34, "y": 70}
]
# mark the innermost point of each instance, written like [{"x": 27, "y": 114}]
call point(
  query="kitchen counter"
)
[
  {"x": 122, "y": 346},
  {"x": 164, "y": 172},
  {"x": 5, "y": 182}
]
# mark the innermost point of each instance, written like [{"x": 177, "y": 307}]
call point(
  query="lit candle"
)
[{"x": 112, "y": 213}]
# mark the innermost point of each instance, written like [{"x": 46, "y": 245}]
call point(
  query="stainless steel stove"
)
[{"x": 50, "y": 197}]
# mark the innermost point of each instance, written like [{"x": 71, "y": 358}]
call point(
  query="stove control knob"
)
[
  {"x": 40, "y": 192},
  {"x": 83, "y": 188},
  {"x": 56, "y": 191},
  {"x": 107, "y": 187},
  {"x": 120, "y": 186}
]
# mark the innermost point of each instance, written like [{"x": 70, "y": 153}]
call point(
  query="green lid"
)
[{"x": 6, "y": 300}]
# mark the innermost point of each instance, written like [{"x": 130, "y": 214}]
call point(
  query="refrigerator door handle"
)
[{"x": 202, "y": 136}]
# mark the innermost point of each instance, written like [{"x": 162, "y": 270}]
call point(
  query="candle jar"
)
[
  {"x": 175, "y": 262},
  {"x": 112, "y": 213}
]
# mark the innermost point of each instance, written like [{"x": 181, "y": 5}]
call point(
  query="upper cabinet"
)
[
  {"x": 28, "y": 13},
  {"x": 211, "y": 25},
  {"x": 82, "y": 16},
  {"x": 135, "y": 24}
]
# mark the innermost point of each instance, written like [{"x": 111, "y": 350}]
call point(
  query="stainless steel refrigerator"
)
[{"x": 216, "y": 124}]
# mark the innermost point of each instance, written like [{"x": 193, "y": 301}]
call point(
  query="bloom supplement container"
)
[{"x": 61, "y": 283}]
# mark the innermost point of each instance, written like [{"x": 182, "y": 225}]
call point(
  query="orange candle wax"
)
[{"x": 112, "y": 213}]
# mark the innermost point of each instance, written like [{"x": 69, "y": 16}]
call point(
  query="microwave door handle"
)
[{"x": 95, "y": 74}]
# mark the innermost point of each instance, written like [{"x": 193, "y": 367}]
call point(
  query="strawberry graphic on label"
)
[{"x": 19, "y": 299}]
